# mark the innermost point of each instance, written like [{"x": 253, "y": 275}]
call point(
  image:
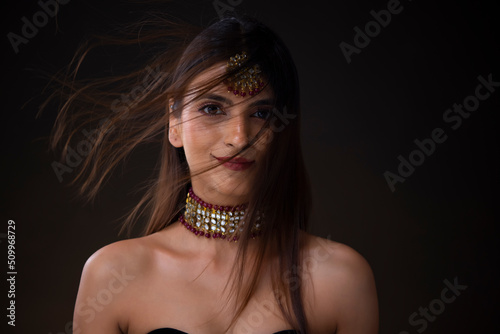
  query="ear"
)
[
  {"x": 174, "y": 125},
  {"x": 174, "y": 136}
]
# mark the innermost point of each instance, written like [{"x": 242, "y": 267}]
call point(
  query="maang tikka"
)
[{"x": 248, "y": 80}]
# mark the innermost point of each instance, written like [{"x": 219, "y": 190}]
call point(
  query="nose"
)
[{"x": 237, "y": 131}]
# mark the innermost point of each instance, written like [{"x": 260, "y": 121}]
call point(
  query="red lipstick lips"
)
[{"x": 236, "y": 164}]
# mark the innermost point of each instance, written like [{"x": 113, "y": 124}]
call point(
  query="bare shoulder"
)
[
  {"x": 334, "y": 258},
  {"x": 130, "y": 256},
  {"x": 343, "y": 292},
  {"x": 107, "y": 282}
]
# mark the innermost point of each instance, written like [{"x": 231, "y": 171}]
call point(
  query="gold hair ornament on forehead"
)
[{"x": 247, "y": 80}]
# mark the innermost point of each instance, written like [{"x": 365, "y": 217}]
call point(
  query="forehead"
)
[
  {"x": 211, "y": 74},
  {"x": 207, "y": 76}
]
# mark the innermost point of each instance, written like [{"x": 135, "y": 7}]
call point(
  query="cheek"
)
[
  {"x": 201, "y": 132},
  {"x": 199, "y": 141},
  {"x": 264, "y": 140}
]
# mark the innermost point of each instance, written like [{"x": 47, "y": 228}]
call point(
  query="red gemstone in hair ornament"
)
[
  {"x": 243, "y": 79},
  {"x": 214, "y": 221}
]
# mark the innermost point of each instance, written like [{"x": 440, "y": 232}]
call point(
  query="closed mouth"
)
[{"x": 236, "y": 163}]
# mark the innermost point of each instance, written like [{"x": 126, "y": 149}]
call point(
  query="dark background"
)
[{"x": 358, "y": 118}]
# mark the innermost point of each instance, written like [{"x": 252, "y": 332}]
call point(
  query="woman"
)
[{"x": 225, "y": 247}]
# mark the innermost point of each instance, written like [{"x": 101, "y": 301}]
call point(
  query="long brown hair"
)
[{"x": 178, "y": 54}]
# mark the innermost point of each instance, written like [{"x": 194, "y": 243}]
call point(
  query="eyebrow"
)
[{"x": 222, "y": 99}]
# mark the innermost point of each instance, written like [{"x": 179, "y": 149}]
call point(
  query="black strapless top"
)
[{"x": 176, "y": 331}]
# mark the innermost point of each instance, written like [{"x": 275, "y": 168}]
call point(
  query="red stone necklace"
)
[{"x": 215, "y": 221}]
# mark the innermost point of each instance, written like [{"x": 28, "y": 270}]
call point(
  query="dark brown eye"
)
[
  {"x": 262, "y": 113},
  {"x": 211, "y": 109}
]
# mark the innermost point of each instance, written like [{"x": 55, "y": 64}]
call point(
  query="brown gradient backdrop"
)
[{"x": 358, "y": 118}]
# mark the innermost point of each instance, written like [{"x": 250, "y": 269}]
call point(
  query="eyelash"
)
[
  {"x": 269, "y": 112},
  {"x": 219, "y": 107},
  {"x": 202, "y": 109}
]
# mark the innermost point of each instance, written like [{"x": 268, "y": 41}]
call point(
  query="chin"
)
[
  {"x": 230, "y": 190},
  {"x": 241, "y": 189},
  {"x": 225, "y": 186}
]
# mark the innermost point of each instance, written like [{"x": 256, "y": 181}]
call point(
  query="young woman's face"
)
[{"x": 216, "y": 126}]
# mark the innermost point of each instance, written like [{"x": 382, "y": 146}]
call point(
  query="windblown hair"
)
[{"x": 178, "y": 54}]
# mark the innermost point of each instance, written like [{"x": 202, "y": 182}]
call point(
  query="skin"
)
[
  {"x": 175, "y": 279},
  {"x": 219, "y": 124}
]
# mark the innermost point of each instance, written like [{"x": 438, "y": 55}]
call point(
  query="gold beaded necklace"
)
[{"x": 216, "y": 221}]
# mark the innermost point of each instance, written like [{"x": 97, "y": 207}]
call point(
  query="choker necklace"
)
[{"x": 216, "y": 221}]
